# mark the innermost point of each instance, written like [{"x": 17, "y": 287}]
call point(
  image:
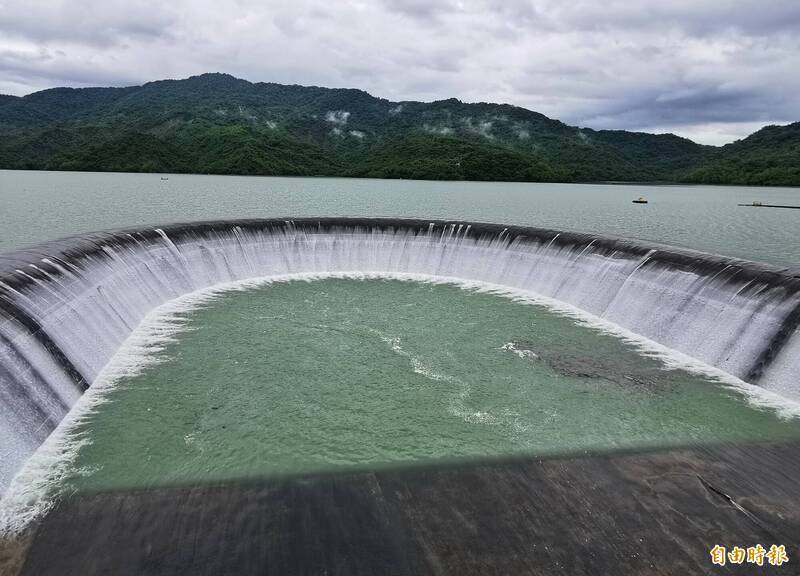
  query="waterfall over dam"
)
[{"x": 67, "y": 306}]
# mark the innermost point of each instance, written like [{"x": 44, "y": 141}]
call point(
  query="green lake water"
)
[
  {"x": 40, "y": 206},
  {"x": 335, "y": 374},
  {"x": 339, "y": 374}
]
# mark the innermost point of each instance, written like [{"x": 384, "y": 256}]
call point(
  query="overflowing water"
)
[
  {"x": 304, "y": 373},
  {"x": 68, "y": 307}
]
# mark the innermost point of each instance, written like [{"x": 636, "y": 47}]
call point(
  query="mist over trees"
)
[{"x": 217, "y": 124}]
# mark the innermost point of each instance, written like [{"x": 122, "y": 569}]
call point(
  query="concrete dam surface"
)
[
  {"x": 68, "y": 307},
  {"x": 650, "y": 513}
]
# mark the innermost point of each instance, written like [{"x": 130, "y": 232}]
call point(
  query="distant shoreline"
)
[{"x": 665, "y": 183}]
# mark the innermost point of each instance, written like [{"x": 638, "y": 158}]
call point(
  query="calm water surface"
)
[{"x": 39, "y": 206}]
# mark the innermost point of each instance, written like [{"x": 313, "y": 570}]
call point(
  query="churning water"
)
[{"x": 300, "y": 377}]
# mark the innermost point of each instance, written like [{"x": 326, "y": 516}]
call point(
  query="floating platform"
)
[
  {"x": 626, "y": 513},
  {"x": 760, "y": 205}
]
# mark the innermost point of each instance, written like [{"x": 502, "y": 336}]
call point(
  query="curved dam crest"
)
[{"x": 67, "y": 306}]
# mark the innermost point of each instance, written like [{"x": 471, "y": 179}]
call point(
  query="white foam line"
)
[{"x": 35, "y": 488}]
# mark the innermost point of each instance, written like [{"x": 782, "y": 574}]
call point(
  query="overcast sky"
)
[{"x": 711, "y": 70}]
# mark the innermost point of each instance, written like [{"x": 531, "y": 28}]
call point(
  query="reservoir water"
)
[
  {"x": 295, "y": 377},
  {"x": 298, "y": 377},
  {"x": 39, "y": 206}
]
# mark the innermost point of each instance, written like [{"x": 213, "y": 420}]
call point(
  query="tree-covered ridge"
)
[
  {"x": 770, "y": 156},
  {"x": 215, "y": 123}
]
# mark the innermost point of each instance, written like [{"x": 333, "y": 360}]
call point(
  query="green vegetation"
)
[
  {"x": 218, "y": 124},
  {"x": 771, "y": 156}
]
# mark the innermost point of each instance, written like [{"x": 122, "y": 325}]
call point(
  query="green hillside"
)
[
  {"x": 770, "y": 156},
  {"x": 215, "y": 123}
]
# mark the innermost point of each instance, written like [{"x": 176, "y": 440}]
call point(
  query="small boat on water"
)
[
  {"x": 164, "y": 178},
  {"x": 639, "y": 200}
]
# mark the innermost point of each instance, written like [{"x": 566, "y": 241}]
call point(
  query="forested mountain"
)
[
  {"x": 215, "y": 123},
  {"x": 770, "y": 156}
]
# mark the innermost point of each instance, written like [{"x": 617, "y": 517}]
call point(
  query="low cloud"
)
[
  {"x": 482, "y": 127},
  {"x": 337, "y": 117},
  {"x": 440, "y": 130}
]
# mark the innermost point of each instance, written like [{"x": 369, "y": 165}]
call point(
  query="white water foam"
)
[
  {"x": 458, "y": 404},
  {"x": 90, "y": 295},
  {"x": 521, "y": 352},
  {"x": 34, "y": 489}
]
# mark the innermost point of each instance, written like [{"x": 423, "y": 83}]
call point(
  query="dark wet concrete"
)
[{"x": 652, "y": 513}]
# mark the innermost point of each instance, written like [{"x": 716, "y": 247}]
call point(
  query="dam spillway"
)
[{"x": 67, "y": 306}]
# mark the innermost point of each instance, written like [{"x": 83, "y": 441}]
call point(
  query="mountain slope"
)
[
  {"x": 770, "y": 156},
  {"x": 215, "y": 123}
]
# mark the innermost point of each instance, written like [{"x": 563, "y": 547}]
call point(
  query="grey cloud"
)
[
  {"x": 436, "y": 58},
  {"x": 696, "y": 18},
  {"x": 681, "y": 104},
  {"x": 94, "y": 22},
  {"x": 9, "y": 57},
  {"x": 47, "y": 69},
  {"x": 420, "y": 9},
  {"x": 700, "y": 66}
]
